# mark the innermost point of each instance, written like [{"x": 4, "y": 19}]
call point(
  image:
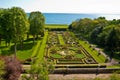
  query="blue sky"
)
[{"x": 65, "y": 6}]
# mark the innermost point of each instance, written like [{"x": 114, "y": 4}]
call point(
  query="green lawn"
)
[
  {"x": 79, "y": 56},
  {"x": 56, "y": 55},
  {"x": 114, "y": 66},
  {"x": 42, "y": 47},
  {"x": 56, "y": 26},
  {"x": 93, "y": 53},
  {"x": 28, "y": 50},
  {"x": 61, "y": 39},
  {"x": 5, "y": 50},
  {"x": 36, "y": 48}
]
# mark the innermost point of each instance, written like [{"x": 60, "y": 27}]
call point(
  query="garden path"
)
[
  {"x": 111, "y": 60},
  {"x": 78, "y": 76}
]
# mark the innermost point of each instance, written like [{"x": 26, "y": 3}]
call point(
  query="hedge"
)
[
  {"x": 81, "y": 66},
  {"x": 85, "y": 70}
]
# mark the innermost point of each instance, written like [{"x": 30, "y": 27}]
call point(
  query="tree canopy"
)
[
  {"x": 37, "y": 22},
  {"x": 14, "y": 25},
  {"x": 100, "y": 31}
]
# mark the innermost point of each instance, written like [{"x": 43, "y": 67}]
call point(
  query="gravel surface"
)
[{"x": 78, "y": 76}]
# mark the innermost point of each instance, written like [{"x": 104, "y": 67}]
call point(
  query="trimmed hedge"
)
[
  {"x": 85, "y": 70},
  {"x": 81, "y": 66}
]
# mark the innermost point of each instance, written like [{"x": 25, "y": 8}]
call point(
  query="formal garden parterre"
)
[{"x": 64, "y": 48}]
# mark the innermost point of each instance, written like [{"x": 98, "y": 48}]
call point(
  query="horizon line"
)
[{"x": 78, "y": 13}]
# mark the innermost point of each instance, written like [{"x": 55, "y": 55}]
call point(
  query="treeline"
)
[
  {"x": 15, "y": 25},
  {"x": 105, "y": 33}
]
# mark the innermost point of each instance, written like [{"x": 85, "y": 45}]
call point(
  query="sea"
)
[{"x": 68, "y": 18}]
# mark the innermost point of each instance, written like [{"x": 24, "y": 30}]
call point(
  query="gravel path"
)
[
  {"x": 78, "y": 76},
  {"x": 111, "y": 61}
]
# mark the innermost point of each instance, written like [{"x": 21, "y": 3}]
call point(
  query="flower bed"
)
[{"x": 64, "y": 48}]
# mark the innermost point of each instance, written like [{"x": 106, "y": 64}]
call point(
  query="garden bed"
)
[{"x": 64, "y": 48}]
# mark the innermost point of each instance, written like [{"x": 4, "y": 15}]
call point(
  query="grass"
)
[
  {"x": 42, "y": 48},
  {"x": 56, "y": 55},
  {"x": 5, "y": 50},
  {"x": 29, "y": 49},
  {"x": 114, "y": 66},
  {"x": 35, "y": 49},
  {"x": 61, "y": 39},
  {"x": 93, "y": 53},
  {"x": 79, "y": 56},
  {"x": 56, "y": 26},
  {"x": 73, "y": 48},
  {"x": 23, "y": 55}
]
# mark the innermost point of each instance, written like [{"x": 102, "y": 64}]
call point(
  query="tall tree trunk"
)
[
  {"x": 21, "y": 44},
  {"x": 0, "y": 39},
  {"x": 27, "y": 35},
  {"x": 15, "y": 49},
  {"x": 9, "y": 44},
  {"x": 36, "y": 36},
  {"x": 6, "y": 43},
  {"x": 33, "y": 38}
]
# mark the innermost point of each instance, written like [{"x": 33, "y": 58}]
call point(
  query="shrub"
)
[
  {"x": 114, "y": 76},
  {"x": 13, "y": 68},
  {"x": 2, "y": 71}
]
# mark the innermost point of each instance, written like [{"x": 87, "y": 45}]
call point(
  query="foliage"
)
[
  {"x": 1, "y": 13},
  {"x": 2, "y": 69},
  {"x": 39, "y": 71},
  {"x": 18, "y": 24},
  {"x": 95, "y": 33},
  {"x": 13, "y": 68},
  {"x": 37, "y": 22},
  {"x": 14, "y": 25},
  {"x": 114, "y": 76},
  {"x": 99, "y": 31},
  {"x": 53, "y": 50},
  {"x": 113, "y": 39},
  {"x": 6, "y": 29}
]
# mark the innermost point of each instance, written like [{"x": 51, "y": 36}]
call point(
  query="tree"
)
[
  {"x": 101, "y": 38},
  {"x": 95, "y": 33},
  {"x": 85, "y": 26},
  {"x": 1, "y": 13},
  {"x": 18, "y": 25},
  {"x": 102, "y": 22},
  {"x": 113, "y": 39},
  {"x": 37, "y": 22},
  {"x": 5, "y": 26}
]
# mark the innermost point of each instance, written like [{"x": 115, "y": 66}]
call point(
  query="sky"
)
[{"x": 65, "y": 6}]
